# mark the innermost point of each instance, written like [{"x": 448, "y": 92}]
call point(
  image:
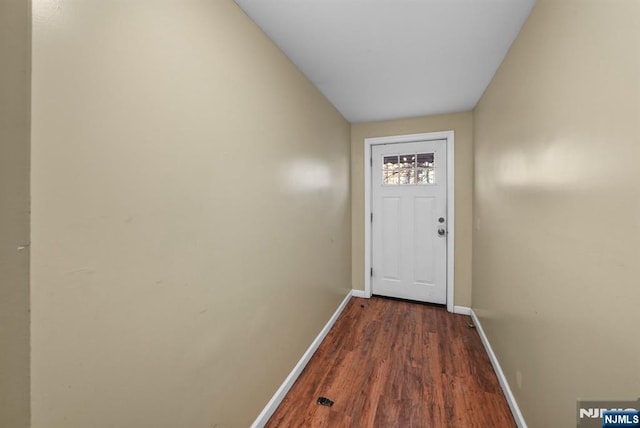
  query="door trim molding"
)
[{"x": 368, "y": 142}]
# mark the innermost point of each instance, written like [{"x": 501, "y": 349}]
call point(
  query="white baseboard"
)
[
  {"x": 463, "y": 310},
  {"x": 358, "y": 293},
  {"x": 511, "y": 400},
  {"x": 277, "y": 398}
]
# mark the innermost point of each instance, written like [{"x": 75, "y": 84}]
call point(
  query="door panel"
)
[
  {"x": 408, "y": 199},
  {"x": 391, "y": 236},
  {"x": 423, "y": 253}
]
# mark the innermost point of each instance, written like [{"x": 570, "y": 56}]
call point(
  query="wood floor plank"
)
[{"x": 390, "y": 363}]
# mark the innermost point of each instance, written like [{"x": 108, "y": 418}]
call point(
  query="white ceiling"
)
[{"x": 387, "y": 59}]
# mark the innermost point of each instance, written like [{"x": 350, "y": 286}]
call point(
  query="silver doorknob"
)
[{"x": 441, "y": 231}]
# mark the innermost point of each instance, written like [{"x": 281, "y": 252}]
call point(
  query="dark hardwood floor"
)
[{"x": 389, "y": 363}]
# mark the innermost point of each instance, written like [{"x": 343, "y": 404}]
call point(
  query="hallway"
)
[{"x": 391, "y": 363}]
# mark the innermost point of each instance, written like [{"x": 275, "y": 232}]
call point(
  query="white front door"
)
[{"x": 409, "y": 221}]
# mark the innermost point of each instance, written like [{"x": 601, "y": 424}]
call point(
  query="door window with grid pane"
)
[{"x": 410, "y": 168}]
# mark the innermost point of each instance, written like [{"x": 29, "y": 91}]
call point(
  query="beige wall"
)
[
  {"x": 14, "y": 212},
  {"x": 462, "y": 124},
  {"x": 191, "y": 212},
  {"x": 557, "y": 206}
]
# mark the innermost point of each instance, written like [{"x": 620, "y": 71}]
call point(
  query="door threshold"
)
[{"x": 400, "y": 299}]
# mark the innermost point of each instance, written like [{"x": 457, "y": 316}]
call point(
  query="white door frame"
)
[{"x": 368, "y": 142}]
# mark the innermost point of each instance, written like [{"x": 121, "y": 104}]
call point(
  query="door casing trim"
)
[{"x": 410, "y": 138}]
